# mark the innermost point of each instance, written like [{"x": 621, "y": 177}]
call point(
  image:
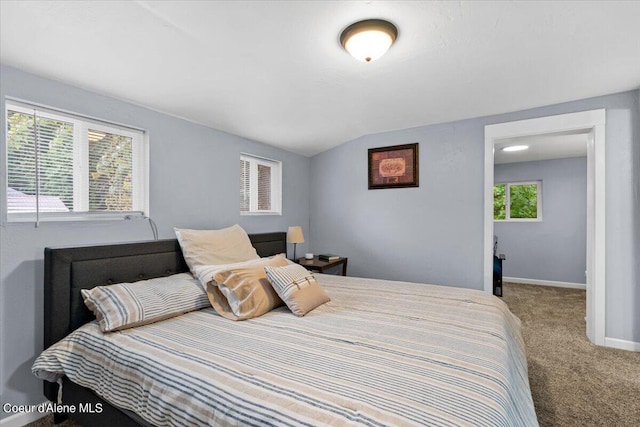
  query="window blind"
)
[
  {"x": 110, "y": 172},
  {"x": 260, "y": 185},
  {"x": 59, "y": 164},
  {"x": 40, "y": 163},
  {"x": 264, "y": 188},
  {"x": 245, "y": 186}
]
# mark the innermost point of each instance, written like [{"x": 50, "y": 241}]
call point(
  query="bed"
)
[{"x": 380, "y": 353}]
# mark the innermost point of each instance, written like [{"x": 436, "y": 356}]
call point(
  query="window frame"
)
[
  {"x": 276, "y": 185},
  {"x": 81, "y": 123},
  {"x": 507, "y": 194}
]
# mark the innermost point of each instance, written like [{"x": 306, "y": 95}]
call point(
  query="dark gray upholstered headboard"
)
[{"x": 68, "y": 270}]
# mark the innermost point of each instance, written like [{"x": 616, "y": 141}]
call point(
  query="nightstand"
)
[{"x": 320, "y": 266}]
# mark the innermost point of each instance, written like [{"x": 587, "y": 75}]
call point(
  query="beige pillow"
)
[
  {"x": 212, "y": 247},
  {"x": 240, "y": 293},
  {"x": 297, "y": 287}
]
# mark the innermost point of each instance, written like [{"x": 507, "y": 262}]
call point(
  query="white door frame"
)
[{"x": 594, "y": 122}]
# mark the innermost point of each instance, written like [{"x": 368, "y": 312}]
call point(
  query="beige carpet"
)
[{"x": 573, "y": 382}]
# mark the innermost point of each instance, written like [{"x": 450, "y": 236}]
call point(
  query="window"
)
[
  {"x": 260, "y": 186},
  {"x": 520, "y": 201},
  {"x": 62, "y": 166}
]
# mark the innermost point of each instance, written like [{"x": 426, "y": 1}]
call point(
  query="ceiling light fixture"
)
[
  {"x": 516, "y": 148},
  {"x": 368, "y": 40}
]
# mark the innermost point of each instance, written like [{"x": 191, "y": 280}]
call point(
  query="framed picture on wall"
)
[{"x": 395, "y": 166}]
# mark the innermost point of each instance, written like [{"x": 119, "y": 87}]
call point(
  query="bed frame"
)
[{"x": 70, "y": 269}]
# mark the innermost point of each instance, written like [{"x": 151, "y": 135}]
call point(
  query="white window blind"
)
[
  {"x": 245, "y": 187},
  {"x": 264, "y": 187},
  {"x": 62, "y": 166},
  {"x": 110, "y": 171},
  {"x": 40, "y": 160},
  {"x": 260, "y": 186}
]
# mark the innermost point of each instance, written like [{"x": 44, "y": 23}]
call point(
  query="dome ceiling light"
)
[
  {"x": 368, "y": 40},
  {"x": 516, "y": 148}
]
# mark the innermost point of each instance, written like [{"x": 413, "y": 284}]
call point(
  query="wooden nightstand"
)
[{"x": 316, "y": 264}]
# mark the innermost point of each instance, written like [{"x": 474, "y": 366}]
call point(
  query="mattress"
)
[{"x": 381, "y": 353}]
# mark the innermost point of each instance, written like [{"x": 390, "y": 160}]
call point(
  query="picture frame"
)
[{"x": 395, "y": 166}]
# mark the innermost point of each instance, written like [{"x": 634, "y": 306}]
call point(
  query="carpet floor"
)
[{"x": 573, "y": 382}]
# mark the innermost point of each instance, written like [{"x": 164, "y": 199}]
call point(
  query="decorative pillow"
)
[
  {"x": 240, "y": 293},
  {"x": 212, "y": 247},
  {"x": 126, "y": 305},
  {"x": 297, "y": 287},
  {"x": 206, "y": 273}
]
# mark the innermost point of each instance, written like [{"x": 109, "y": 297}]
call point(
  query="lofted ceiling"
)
[{"x": 274, "y": 71}]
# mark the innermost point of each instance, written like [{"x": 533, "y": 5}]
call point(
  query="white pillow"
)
[{"x": 214, "y": 247}]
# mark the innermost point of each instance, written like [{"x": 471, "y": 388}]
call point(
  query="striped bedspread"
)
[{"x": 381, "y": 353}]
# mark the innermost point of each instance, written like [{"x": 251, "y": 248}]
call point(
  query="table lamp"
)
[{"x": 295, "y": 236}]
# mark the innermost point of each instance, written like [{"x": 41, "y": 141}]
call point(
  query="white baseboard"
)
[
  {"x": 23, "y": 418},
  {"x": 622, "y": 344},
  {"x": 570, "y": 285}
]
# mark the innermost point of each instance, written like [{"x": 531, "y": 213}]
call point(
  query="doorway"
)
[{"x": 592, "y": 123}]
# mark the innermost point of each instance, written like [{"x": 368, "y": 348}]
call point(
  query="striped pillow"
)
[
  {"x": 297, "y": 287},
  {"x": 126, "y": 305}
]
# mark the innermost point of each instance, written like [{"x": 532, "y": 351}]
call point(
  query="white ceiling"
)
[
  {"x": 273, "y": 71},
  {"x": 542, "y": 147}
]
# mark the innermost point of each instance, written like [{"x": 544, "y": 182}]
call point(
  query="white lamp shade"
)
[
  {"x": 368, "y": 40},
  {"x": 368, "y": 45},
  {"x": 294, "y": 234}
]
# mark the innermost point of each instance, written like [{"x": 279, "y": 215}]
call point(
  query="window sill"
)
[
  {"x": 69, "y": 217},
  {"x": 259, "y": 213},
  {"x": 518, "y": 220}
]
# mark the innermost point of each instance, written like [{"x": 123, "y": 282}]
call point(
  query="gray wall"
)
[
  {"x": 434, "y": 233},
  {"x": 427, "y": 234},
  {"x": 555, "y": 248},
  {"x": 194, "y": 176}
]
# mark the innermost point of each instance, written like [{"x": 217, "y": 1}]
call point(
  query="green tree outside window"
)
[
  {"x": 499, "y": 201},
  {"x": 515, "y": 201},
  {"x": 523, "y": 201},
  {"x": 55, "y": 156},
  {"x": 110, "y": 162}
]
